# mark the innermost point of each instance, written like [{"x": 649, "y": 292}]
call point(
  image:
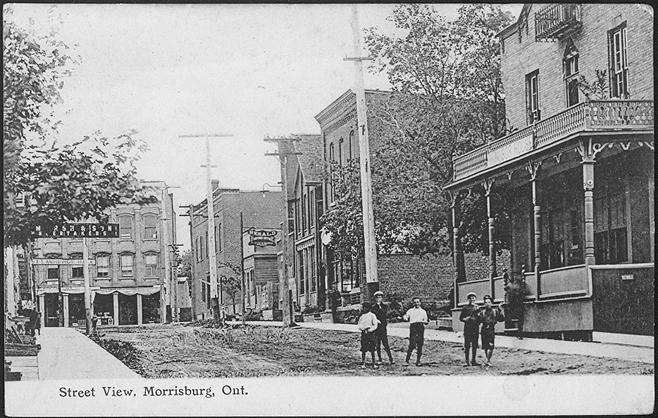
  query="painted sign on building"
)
[
  {"x": 63, "y": 261},
  {"x": 77, "y": 230},
  {"x": 262, "y": 237}
]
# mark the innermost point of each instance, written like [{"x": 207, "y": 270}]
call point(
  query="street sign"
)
[
  {"x": 63, "y": 261},
  {"x": 262, "y": 237},
  {"x": 77, "y": 230}
]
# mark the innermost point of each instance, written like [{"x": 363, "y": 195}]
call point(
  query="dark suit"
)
[{"x": 381, "y": 337}]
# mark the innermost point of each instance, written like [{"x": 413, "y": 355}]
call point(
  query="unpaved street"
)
[{"x": 164, "y": 351}]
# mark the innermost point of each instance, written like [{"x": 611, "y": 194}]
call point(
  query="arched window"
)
[
  {"x": 150, "y": 226},
  {"x": 570, "y": 66},
  {"x": 351, "y": 152},
  {"x": 125, "y": 226}
]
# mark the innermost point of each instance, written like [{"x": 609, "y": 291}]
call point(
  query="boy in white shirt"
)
[
  {"x": 367, "y": 324},
  {"x": 417, "y": 318}
]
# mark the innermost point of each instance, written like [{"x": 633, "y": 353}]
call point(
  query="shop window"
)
[
  {"x": 102, "y": 265},
  {"x": 151, "y": 265},
  {"x": 150, "y": 227},
  {"x": 532, "y": 97},
  {"x": 127, "y": 264},
  {"x": 618, "y": 62},
  {"x": 125, "y": 226},
  {"x": 77, "y": 272}
]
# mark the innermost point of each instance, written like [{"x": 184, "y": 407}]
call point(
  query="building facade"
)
[
  {"x": 579, "y": 161},
  {"x": 261, "y": 274},
  {"x": 262, "y": 209},
  {"x": 128, "y": 275}
]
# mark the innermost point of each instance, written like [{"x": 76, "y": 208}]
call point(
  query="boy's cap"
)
[
  {"x": 379, "y": 293},
  {"x": 487, "y": 297},
  {"x": 471, "y": 294}
]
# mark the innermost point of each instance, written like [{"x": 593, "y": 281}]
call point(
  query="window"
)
[
  {"x": 340, "y": 152},
  {"x": 351, "y": 152},
  {"x": 311, "y": 209},
  {"x": 291, "y": 218},
  {"x": 570, "y": 64},
  {"x": 201, "y": 252},
  {"x": 53, "y": 272},
  {"x": 125, "y": 227},
  {"x": 532, "y": 96},
  {"x": 203, "y": 291},
  {"x": 77, "y": 272},
  {"x": 102, "y": 265},
  {"x": 610, "y": 236},
  {"x": 618, "y": 62},
  {"x": 304, "y": 213},
  {"x": 151, "y": 265},
  {"x": 126, "y": 264},
  {"x": 205, "y": 240},
  {"x": 311, "y": 255},
  {"x": 301, "y": 279},
  {"x": 218, "y": 237},
  {"x": 150, "y": 227},
  {"x": 553, "y": 237}
]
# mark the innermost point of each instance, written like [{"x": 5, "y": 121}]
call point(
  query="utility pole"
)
[
  {"x": 283, "y": 160},
  {"x": 190, "y": 213},
  {"x": 370, "y": 250},
  {"x": 244, "y": 283},
  {"x": 85, "y": 273},
  {"x": 211, "y": 222}
]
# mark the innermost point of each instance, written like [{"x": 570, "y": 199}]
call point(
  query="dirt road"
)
[{"x": 164, "y": 351}]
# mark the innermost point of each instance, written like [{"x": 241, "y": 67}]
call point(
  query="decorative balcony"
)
[
  {"x": 594, "y": 116},
  {"x": 557, "y": 21}
]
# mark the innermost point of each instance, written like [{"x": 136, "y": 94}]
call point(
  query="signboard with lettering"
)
[
  {"x": 77, "y": 230},
  {"x": 63, "y": 261},
  {"x": 262, "y": 237}
]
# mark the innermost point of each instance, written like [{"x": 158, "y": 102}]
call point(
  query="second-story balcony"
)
[
  {"x": 623, "y": 116},
  {"x": 556, "y": 21}
]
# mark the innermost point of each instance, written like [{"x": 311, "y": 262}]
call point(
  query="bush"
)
[
  {"x": 311, "y": 309},
  {"x": 254, "y": 315}
]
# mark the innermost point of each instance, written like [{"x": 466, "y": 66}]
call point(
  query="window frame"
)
[
  {"x": 53, "y": 267},
  {"x": 618, "y": 61},
  {"x": 154, "y": 235},
  {"x": 122, "y": 228},
  {"x": 98, "y": 265},
  {"x": 151, "y": 270},
  {"x": 533, "y": 105},
  {"x": 125, "y": 272}
]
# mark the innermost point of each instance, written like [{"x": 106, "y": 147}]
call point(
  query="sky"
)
[{"x": 166, "y": 70}]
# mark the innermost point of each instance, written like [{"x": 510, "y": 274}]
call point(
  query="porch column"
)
[
  {"x": 65, "y": 309},
  {"x": 588, "y": 185},
  {"x": 42, "y": 309},
  {"x": 488, "y": 184},
  {"x": 139, "y": 309},
  {"x": 455, "y": 245},
  {"x": 115, "y": 306},
  {"x": 533, "y": 169}
]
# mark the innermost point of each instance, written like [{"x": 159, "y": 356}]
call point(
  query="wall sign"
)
[
  {"x": 77, "y": 230},
  {"x": 262, "y": 237}
]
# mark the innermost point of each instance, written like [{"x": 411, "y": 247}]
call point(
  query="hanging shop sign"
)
[
  {"x": 262, "y": 237},
  {"x": 77, "y": 230}
]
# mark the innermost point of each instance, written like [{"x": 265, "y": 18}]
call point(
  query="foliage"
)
[
  {"x": 447, "y": 100},
  {"x": 516, "y": 292},
  {"x": 78, "y": 181},
  {"x": 230, "y": 284},
  {"x": 185, "y": 269},
  {"x": 597, "y": 89},
  {"x": 311, "y": 309}
]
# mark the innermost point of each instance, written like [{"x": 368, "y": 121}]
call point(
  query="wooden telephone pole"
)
[
  {"x": 370, "y": 250},
  {"x": 283, "y": 154},
  {"x": 190, "y": 214}
]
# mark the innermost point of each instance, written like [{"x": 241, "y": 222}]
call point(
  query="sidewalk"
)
[
  {"x": 623, "y": 352},
  {"x": 68, "y": 354}
]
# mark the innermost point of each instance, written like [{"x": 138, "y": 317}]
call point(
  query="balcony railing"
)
[
  {"x": 593, "y": 116},
  {"x": 556, "y": 21}
]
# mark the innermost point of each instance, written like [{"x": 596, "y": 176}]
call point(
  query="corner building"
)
[{"x": 580, "y": 163}]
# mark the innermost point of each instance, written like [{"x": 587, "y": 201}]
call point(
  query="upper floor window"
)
[
  {"x": 53, "y": 273},
  {"x": 218, "y": 237},
  {"x": 340, "y": 151},
  {"x": 351, "y": 152},
  {"x": 617, "y": 52},
  {"x": 77, "y": 272},
  {"x": 332, "y": 156},
  {"x": 102, "y": 265},
  {"x": 205, "y": 239},
  {"x": 532, "y": 97},
  {"x": 570, "y": 63},
  {"x": 150, "y": 265},
  {"x": 150, "y": 227},
  {"x": 125, "y": 226},
  {"x": 201, "y": 250},
  {"x": 127, "y": 264}
]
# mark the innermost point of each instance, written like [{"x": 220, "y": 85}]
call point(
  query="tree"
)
[
  {"x": 186, "y": 264},
  {"x": 448, "y": 100},
  {"x": 47, "y": 184}
]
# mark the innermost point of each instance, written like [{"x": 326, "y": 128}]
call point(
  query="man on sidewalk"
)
[
  {"x": 489, "y": 316},
  {"x": 417, "y": 318},
  {"x": 469, "y": 316},
  {"x": 381, "y": 337}
]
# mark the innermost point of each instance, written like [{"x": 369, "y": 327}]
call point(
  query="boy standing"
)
[
  {"x": 489, "y": 316},
  {"x": 367, "y": 324},
  {"x": 381, "y": 337},
  {"x": 469, "y": 316},
  {"x": 417, "y": 318}
]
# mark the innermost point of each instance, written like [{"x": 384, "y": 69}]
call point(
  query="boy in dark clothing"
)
[
  {"x": 469, "y": 316},
  {"x": 488, "y": 317},
  {"x": 381, "y": 337}
]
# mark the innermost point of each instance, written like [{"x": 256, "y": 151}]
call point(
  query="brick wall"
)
[
  {"x": 521, "y": 58},
  {"x": 477, "y": 265}
]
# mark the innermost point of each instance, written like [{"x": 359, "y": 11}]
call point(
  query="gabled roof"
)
[{"x": 513, "y": 27}]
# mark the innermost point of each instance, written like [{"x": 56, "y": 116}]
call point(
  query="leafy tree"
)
[
  {"x": 46, "y": 184},
  {"x": 185, "y": 269},
  {"x": 448, "y": 99}
]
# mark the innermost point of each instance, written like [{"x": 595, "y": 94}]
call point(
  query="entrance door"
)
[
  {"x": 127, "y": 309},
  {"x": 50, "y": 310}
]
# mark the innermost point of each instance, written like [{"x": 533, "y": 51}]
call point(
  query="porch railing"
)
[
  {"x": 592, "y": 116},
  {"x": 556, "y": 20},
  {"x": 564, "y": 282}
]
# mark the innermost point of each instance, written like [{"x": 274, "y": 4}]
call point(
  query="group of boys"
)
[{"x": 373, "y": 321}]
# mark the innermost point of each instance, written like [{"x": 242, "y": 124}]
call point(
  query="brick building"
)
[
  {"x": 127, "y": 274},
  {"x": 259, "y": 209},
  {"x": 580, "y": 162}
]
